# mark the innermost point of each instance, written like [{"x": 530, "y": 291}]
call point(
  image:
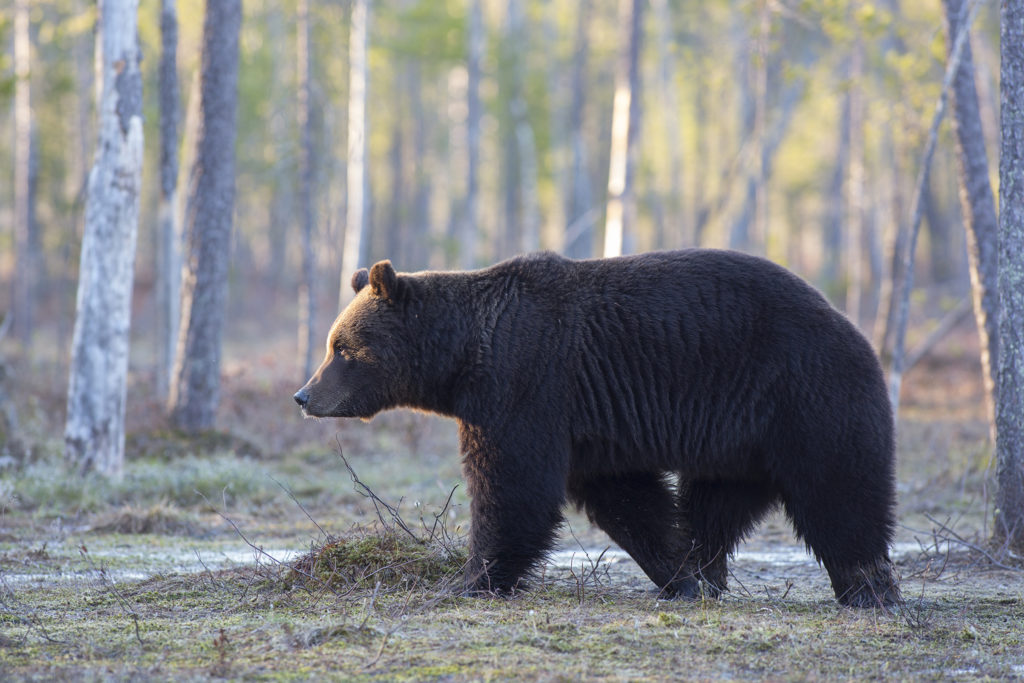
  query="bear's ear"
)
[
  {"x": 360, "y": 278},
  {"x": 383, "y": 280}
]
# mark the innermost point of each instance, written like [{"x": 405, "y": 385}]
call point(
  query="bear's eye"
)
[{"x": 340, "y": 350}]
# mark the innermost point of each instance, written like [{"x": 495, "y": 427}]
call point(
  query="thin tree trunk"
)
[
  {"x": 307, "y": 166},
  {"x": 280, "y": 115},
  {"x": 524, "y": 196},
  {"x": 168, "y": 285},
  {"x": 1009, "y": 515},
  {"x": 673, "y": 194},
  {"x": 978, "y": 206},
  {"x": 835, "y": 214},
  {"x": 474, "y": 113},
  {"x": 356, "y": 224},
  {"x": 620, "y": 216},
  {"x": 94, "y": 434},
  {"x": 195, "y": 392},
  {"x": 855, "y": 190},
  {"x": 901, "y": 295},
  {"x": 580, "y": 210},
  {"x": 26, "y": 258}
]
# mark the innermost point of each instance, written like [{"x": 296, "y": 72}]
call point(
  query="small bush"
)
[{"x": 368, "y": 556}]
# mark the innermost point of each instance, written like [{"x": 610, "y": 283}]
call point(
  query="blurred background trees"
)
[{"x": 454, "y": 133}]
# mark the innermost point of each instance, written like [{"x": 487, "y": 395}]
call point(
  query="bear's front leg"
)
[{"x": 516, "y": 510}]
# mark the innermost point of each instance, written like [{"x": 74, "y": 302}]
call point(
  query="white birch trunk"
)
[
  {"x": 358, "y": 206},
  {"x": 94, "y": 434}
]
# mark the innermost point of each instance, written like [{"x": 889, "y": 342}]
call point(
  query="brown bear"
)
[{"x": 595, "y": 381}]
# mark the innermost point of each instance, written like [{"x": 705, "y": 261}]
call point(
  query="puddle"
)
[
  {"x": 150, "y": 563},
  {"x": 783, "y": 556}
]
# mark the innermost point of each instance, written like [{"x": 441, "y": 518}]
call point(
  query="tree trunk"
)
[
  {"x": 580, "y": 210},
  {"x": 1009, "y": 510},
  {"x": 94, "y": 434},
  {"x": 673, "y": 194},
  {"x": 282, "y": 139},
  {"x": 620, "y": 215},
  {"x": 168, "y": 284},
  {"x": 901, "y": 294},
  {"x": 307, "y": 165},
  {"x": 26, "y": 255},
  {"x": 836, "y": 216},
  {"x": 978, "y": 206},
  {"x": 195, "y": 392},
  {"x": 474, "y": 114},
  {"x": 356, "y": 223},
  {"x": 855, "y": 189}
]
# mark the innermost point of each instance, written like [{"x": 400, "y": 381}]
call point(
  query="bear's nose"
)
[{"x": 302, "y": 398}]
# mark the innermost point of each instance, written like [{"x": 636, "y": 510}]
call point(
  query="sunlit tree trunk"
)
[
  {"x": 356, "y": 222},
  {"x": 25, "y": 249},
  {"x": 978, "y": 207},
  {"x": 620, "y": 215},
  {"x": 94, "y": 433},
  {"x": 1009, "y": 512},
  {"x": 195, "y": 391},
  {"x": 581, "y": 214},
  {"x": 168, "y": 284},
  {"x": 307, "y": 292}
]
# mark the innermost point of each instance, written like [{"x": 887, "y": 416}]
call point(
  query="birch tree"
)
[
  {"x": 168, "y": 284},
  {"x": 621, "y": 211},
  {"x": 94, "y": 434},
  {"x": 358, "y": 200},
  {"x": 1009, "y": 512},
  {"x": 978, "y": 206},
  {"x": 195, "y": 391}
]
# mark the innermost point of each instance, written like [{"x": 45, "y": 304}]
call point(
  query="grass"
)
[{"x": 221, "y": 559}]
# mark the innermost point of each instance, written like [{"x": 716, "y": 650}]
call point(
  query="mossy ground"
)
[{"x": 183, "y": 570}]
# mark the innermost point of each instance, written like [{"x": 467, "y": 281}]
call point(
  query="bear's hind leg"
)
[
  {"x": 720, "y": 515},
  {"x": 848, "y": 529},
  {"x": 638, "y": 511}
]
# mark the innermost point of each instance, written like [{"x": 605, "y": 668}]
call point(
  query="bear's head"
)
[{"x": 369, "y": 366}]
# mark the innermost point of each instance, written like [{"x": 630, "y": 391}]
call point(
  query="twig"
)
[
  {"x": 109, "y": 585},
  {"x": 967, "y": 544},
  {"x": 377, "y": 501},
  {"x": 296, "y": 501},
  {"x": 256, "y": 549},
  {"x": 34, "y": 623}
]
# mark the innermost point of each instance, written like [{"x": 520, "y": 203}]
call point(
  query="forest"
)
[{"x": 191, "y": 184}]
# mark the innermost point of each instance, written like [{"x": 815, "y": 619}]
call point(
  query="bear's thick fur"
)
[{"x": 594, "y": 381}]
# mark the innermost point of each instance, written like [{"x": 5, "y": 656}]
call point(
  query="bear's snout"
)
[{"x": 302, "y": 398}]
